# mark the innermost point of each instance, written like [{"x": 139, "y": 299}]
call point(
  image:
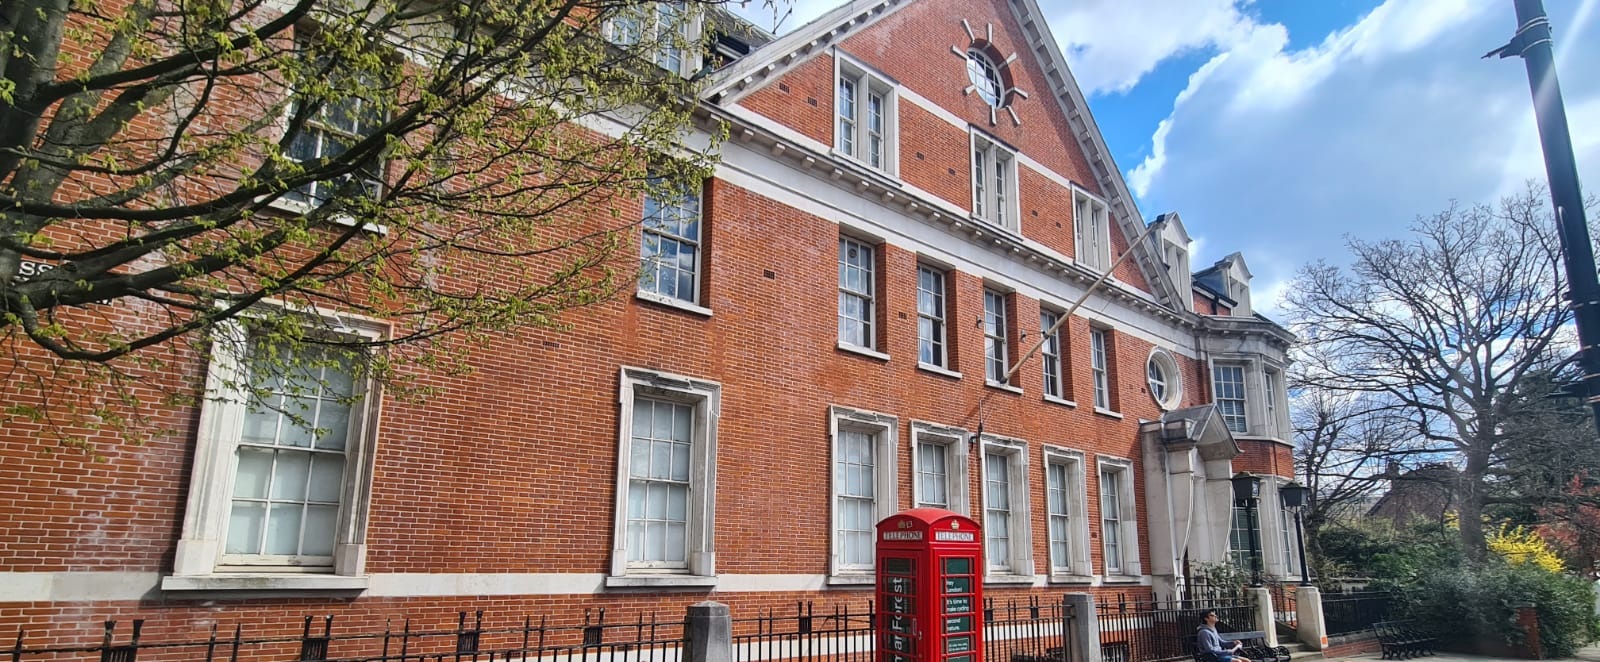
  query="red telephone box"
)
[{"x": 930, "y": 588}]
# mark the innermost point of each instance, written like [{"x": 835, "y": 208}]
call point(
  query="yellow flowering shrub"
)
[{"x": 1518, "y": 545}]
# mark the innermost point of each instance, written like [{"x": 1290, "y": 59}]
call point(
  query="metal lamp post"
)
[
  {"x": 1294, "y": 498},
  {"x": 1247, "y": 491},
  {"x": 1532, "y": 44}
]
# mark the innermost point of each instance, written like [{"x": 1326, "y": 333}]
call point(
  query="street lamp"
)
[
  {"x": 1247, "y": 492},
  {"x": 1294, "y": 498}
]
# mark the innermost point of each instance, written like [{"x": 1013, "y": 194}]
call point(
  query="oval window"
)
[
  {"x": 985, "y": 77},
  {"x": 1166, "y": 383}
]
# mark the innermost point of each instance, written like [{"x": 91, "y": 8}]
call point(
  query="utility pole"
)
[{"x": 1532, "y": 44}]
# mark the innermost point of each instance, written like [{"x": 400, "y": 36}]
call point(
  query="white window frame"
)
[
  {"x": 689, "y": 57},
  {"x": 882, "y": 429},
  {"x": 1127, "y": 524},
  {"x": 983, "y": 72},
  {"x": 853, "y": 131},
  {"x": 650, "y": 264},
  {"x": 1221, "y": 395},
  {"x": 320, "y": 124},
  {"x": 937, "y": 319},
  {"x": 996, "y": 331},
  {"x": 375, "y": 184},
  {"x": 1018, "y": 566},
  {"x": 1271, "y": 382},
  {"x": 1077, "y": 566},
  {"x": 699, "y": 568},
  {"x": 1100, "y": 367},
  {"x": 994, "y": 202},
  {"x": 199, "y": 560},
  {"x": 1291, "y": 560},
  {"x": 1239, "y": 538},
  {"x": 1091, "y": 224},
  {"x": 952, "y": 443},
  {"x": 868, "y": 297},
  {"x": 1162, "y": 362},
  {"x": 1051, "y": 356}
]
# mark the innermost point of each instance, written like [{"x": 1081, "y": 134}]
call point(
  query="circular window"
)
[
  {"x": 984, "y": 76},
  {"x": 1166, "y": 383}
]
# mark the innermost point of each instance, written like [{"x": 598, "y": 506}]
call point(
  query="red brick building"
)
[{"x": 914, "y": 192}]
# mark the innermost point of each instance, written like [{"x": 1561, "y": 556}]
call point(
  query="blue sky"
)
[{"x": 1280, "y": 127}]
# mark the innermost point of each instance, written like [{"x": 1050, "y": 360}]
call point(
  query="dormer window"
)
[{"x": 668, "y": 29}]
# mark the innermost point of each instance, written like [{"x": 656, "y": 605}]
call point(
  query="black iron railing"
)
[
  {"x": 645, "y": 639},
  {"x": 1344, "y": 613},
  {"x": 1144, "y": 631},
  {"x": 840, "y": 633},
  {"x": 1285, "y": 606},
  {"x": 1036, "y": 630},
  {"x": 1031, "y": 629}
]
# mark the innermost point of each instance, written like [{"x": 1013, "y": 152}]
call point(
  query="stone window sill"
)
[
  {"x": 662, "y": 581},
  {"x": 856, "y": 349},
  {"x": 1004, "y": 387},
  {"x": 263, "y": 582},
  {"x": 299, "y": 209},
  {"x": 1060, "y": 401},
  {"x": 670, "y": 302},
  {"x": 926, "y": 367}
]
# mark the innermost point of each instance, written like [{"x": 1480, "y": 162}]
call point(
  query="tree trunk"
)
[{"x": 1470, "y": 494}]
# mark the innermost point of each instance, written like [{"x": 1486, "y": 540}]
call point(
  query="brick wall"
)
[
  {"x": 935, "y": 156},
  {"x": 801, "y": 99},
  {"x": 511, "y": 466},
  {"x": 912, "y": 47},
  {"x": 1268, "y": 458}
]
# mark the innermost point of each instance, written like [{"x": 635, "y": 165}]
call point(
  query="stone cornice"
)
[{"x": 848, "y": 175}]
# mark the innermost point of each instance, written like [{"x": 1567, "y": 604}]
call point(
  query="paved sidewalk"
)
[{"x": 1587, "y": 654}]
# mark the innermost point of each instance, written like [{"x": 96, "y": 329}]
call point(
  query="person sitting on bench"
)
[{"x": 1211, "y": 643}]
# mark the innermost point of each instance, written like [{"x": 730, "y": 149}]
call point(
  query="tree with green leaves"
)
[
  {"x": 1446, "y": 331},
  {"x": 451, "y": 169}
]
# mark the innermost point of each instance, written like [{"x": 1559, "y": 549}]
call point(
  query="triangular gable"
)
[
  {"x": 1173, "y": 229},
  {"x": 773, "y": 60},
  {"x": 1064, "y": 87}
]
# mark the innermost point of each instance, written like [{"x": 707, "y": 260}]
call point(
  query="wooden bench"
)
[{"x": 1399, "y": 640}]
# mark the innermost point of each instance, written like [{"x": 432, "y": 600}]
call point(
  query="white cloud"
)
[
  {"x": 1281, "y": 153},
  {"x": 1259, "y": 75},
  {"x": 1266, "y": 295},
  {"x": 1139, "y": 178},
  {"x": 1112, "y": 44}
]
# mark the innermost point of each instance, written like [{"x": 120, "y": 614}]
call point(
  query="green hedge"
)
[{"x": 1481, "y": 599}]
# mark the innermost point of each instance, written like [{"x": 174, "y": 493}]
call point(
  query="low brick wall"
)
[{"x": 1353, "y": 643}]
